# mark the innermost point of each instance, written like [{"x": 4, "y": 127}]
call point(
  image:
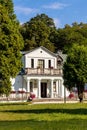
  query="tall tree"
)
[
  {"x": 37, "y": 32},
  {"x": 11, "y": 42},
  {"x": 75, "y": 69}
]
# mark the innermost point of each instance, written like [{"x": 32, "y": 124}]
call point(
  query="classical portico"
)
[{"x": 44, "y": 87}]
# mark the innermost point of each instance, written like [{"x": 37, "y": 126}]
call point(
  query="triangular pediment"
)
[{"x": 40, "y": 52}]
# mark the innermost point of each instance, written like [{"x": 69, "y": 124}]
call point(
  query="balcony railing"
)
[{"x": 45, "y": 71}]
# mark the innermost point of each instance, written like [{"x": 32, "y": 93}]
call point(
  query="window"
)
[
  {"x": 32, "y": 63},
  {"x": 49, "y": 63},
  {"x": 41, "y": 63},
  {"x": 59, "y": 62}
]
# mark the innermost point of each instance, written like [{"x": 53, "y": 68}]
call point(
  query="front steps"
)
[
  {"x": 48, "y": 100},
  {"x": 54, "y": 100}
]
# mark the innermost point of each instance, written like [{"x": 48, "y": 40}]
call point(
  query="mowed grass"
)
[{"x": 25, "y": 116}]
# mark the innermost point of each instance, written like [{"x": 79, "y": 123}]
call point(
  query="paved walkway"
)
[{"x": 53, "y": 102}]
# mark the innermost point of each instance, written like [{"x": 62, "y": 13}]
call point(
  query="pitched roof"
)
[
  {"x": 43, "y": 48},
  {"x": 63, "y": 56}
]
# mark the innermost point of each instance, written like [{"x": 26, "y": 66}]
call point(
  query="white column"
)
[
  {"x": 28, "y": 85},
  {"x": 57, "y": 87},
  {"x": 39, "y": 88},
  {"x": 33, "y": 85},
  {"x": 61, "y": 87},
  {"x": 51, "y": 88}
]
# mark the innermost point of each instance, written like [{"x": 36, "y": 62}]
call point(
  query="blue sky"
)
[{"x": 61, "y": 11}]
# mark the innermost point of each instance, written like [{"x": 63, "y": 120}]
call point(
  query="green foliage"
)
[
  {"x": 69, "y": 35},
  {"x": 45, "y": 19},
  {"x": 5, "y": 86},
  {"x": 37, "y": 32},
  {"x": 75, "y": 68},
  {"x": 41, "y": 30},
  {"x": 11, "y": 43},
  {"x": 8, "y": 5}
]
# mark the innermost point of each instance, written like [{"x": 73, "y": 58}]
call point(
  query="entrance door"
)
[{"x": 43, "y": 90}]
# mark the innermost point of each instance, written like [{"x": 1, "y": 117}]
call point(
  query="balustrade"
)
[{"x": 45, "y": 71}]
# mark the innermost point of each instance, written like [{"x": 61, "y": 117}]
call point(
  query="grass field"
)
[{"x": 24, "y": 116}]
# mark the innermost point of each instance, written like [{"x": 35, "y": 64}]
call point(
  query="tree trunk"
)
[{"x": 80, "y": 88}]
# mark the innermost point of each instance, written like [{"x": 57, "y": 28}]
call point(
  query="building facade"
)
[{"x": 41, "y": 74}]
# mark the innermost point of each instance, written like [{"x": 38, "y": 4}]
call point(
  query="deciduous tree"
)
[{"x": 75, "y": 68}]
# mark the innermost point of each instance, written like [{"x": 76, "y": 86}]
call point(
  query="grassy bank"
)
[{"x": 43, "y": 117}]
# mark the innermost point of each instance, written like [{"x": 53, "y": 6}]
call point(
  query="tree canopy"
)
[
  {"x": 69, "y": 35},
  {"x": 11, "y": 42},
  {"x": 45, "y": 19},
  {"x": 41, "y": 30},
  {"x": 37, "y": 31}
]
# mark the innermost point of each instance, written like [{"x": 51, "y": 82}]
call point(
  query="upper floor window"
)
[
  {"x": 41, "y": 63},
  {"x": 32, "y": 63},
  {"x": 59, "y": 62},
  {"x": 49, "y": 63}
]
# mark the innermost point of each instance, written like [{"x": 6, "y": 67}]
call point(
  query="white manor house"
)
[{"x": 42, "y": 74}]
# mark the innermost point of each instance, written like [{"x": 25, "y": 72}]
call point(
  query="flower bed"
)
[
  {"x": 13, "y": 92},
  {"x": 71, "y": 95},
  {"x": 31, "y": 97},
  {"x": 21, "y": 92}
]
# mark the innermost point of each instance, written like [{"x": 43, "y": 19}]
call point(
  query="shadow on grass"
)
[
  {"x": 80, "y": 111},
  {"x": 71, "y": 124}
]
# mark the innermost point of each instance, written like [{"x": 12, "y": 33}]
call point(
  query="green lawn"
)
[{"x": 24, "y": 116}]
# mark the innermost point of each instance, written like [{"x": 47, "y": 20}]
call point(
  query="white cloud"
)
[
  {"x": 57, "y": 22},
  {"x": 24, "y": 10},
  {"x": 21, "y": 23},
  {"x": 55, "y": 5}
]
